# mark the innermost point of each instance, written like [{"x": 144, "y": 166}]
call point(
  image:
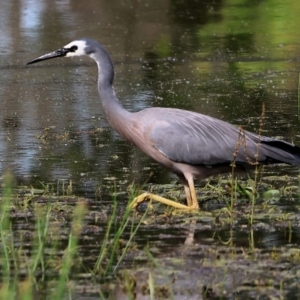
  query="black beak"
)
[{"x": 58, "y": 53}]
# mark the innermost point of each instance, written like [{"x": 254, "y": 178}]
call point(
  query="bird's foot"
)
[{"x": 149, "y": 197}]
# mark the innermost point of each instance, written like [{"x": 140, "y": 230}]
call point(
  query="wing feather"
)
[{"x": 192, "y": 138}]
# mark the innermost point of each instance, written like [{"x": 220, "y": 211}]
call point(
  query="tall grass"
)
[
  {"x": 299, "y": 97},
  {"x": 258, "y": 170},
  {"x": 16, "y": 260},
  {"x": 111, "y": 246},
  {"x": 241, "y": 145},
  {"x": 7, "y": 253},
  {"x": 43, "y": 268}
]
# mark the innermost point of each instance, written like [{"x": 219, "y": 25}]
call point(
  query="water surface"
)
[
  {"x": 227, "y": 59},
  {"x": 221, "y": 58}
]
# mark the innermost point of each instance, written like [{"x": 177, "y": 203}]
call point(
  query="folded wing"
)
[{"x": 197, "y": 139}]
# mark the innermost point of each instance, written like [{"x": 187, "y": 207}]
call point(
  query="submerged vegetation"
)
[
  {"x": 223, "y": 58},
  {"x": 41, "y": 241},
  {"x": 57, "y": 247}
]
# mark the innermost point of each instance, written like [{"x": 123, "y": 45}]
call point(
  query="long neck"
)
[{"x": 117, "y": 115}]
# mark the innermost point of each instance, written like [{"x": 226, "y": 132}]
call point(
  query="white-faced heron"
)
[{"x": 189, "y": 144}]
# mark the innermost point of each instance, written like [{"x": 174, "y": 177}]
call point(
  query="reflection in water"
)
[
  {"x": 209, "y": 57},
  {"x": 198, "y": 57},
  {"x": 31, "y": 16},
  {"x": 220, "y": 58}
]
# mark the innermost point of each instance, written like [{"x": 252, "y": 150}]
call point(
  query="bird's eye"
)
[{"x": 73, "y": 48}]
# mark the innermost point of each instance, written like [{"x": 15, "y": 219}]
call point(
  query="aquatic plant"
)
[{"x": 44, "y": 260}]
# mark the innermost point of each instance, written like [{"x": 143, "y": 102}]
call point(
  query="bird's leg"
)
[
  {"x": 190, "y": 193},
  {"x": 189, "y": 200},
  {"x": 191, "y": 197},
  {"x": 148, "y": 196}
]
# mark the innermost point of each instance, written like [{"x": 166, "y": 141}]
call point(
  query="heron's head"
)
[
  {"x": 75, "y": 48},
  {"x": 87, "y": 47}
]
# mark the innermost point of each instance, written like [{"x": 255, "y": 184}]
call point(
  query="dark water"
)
[{"x": 222, "y": 58}]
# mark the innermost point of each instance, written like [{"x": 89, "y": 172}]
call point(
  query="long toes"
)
[{"x": 139, "y": 199}]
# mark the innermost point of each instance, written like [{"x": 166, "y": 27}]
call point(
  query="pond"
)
[{"x": 234, "y": 60}]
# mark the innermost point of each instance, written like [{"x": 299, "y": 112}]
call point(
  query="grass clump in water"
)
[
  {"x": 45, "y": 260},
  {"x": 25, "y": 268}
]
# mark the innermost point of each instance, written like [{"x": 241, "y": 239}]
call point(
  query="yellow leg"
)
[
  {"x": 189, "y": 200},
  {"x": 143, "y": 197},
  {"x": 193, "y": 197}
]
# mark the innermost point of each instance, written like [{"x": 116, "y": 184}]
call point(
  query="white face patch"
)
[{"x": 81, "y": 45}]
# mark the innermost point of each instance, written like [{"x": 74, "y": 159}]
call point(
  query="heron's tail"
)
[{"x": 278, "y": 151}]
